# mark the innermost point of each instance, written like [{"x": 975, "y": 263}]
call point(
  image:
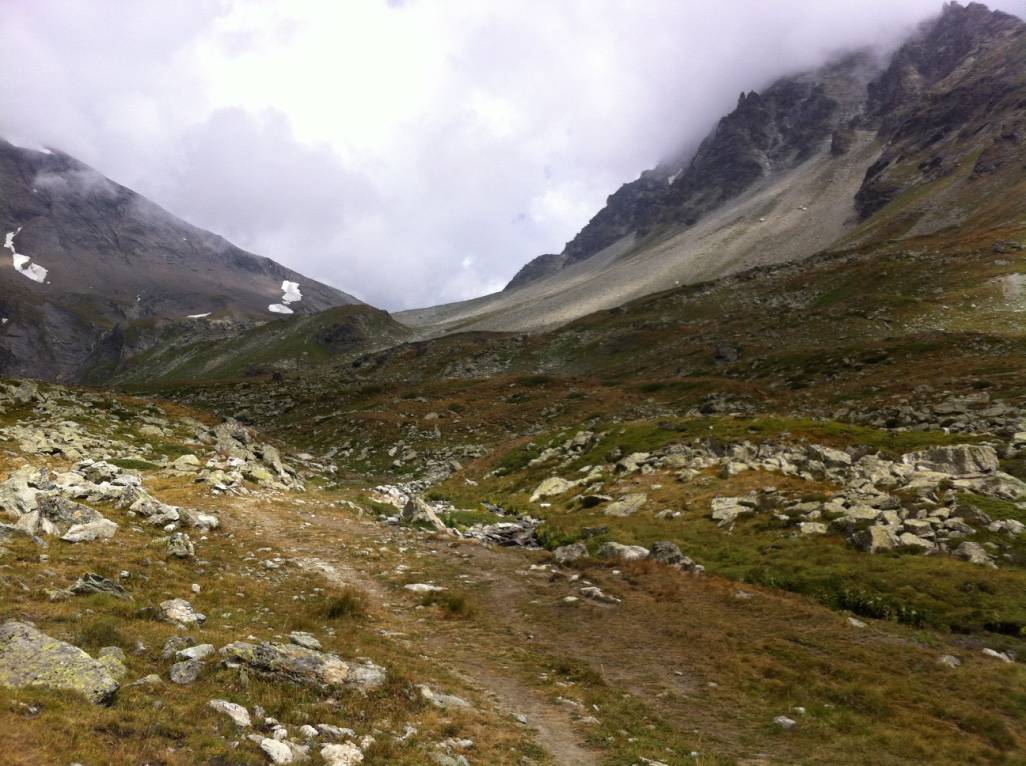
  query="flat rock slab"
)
[
  {"x": 301, "y": 665},
  {"x": 29, "y": 657}
]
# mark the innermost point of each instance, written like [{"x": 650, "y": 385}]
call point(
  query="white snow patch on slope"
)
[
  {"x": 198, "y": 316},
  {"x": 289, "y": 294},
  {"x": 23, "y": 263}
]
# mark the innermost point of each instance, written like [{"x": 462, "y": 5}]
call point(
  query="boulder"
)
[
  {"x": 564, "y": 554},
  {"x": 93, "y": 583},
  {"x": 238, "y": 714},
  {"x": 875, "y": 538},
  {"x": 417, "y": 510},
  {"x": 304, "y": 639},
  {"x": 180, "y": 612},
  {"x": 974, "y": 553},
  {"x": 297, "y": 664},
  {"x": 551, "y": 487},
  {"x": 94, "y": 530},
  {"x": 954, "y": 460},
  {"x": 185, "y": 672},
  {"x": 278, "y": 753},
  {"x": 725, "y": 510},
  {"x": 29, "y": 657},
  {"x": 186, "y": 463},
  {"x": 622, "y": 552},
  {"x": 345, "y": 754},
  {"x": 180, "y": 546},
  {"x": 627, "y": 505}
]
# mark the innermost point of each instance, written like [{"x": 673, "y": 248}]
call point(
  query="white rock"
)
[
  {"x": 423, "y": 587},
  {"x": 346, "y": 754},
  {"x": 277, "y": 752},
  {"x": 997, "y": 655},
  {"x": 784, "y": 722},
  {"x": 237, "y": 713},
  {"x": 180, "y": 612},
  {"x": 198, "y": 652}
]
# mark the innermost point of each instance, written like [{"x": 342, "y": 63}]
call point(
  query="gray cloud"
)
[{"x": 408, "y": 152}]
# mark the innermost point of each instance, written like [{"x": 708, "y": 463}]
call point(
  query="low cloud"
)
[{"x": 410, "y": 153}]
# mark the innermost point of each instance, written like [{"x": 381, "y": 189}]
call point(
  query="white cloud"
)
[{"x": 410, "y": 153}]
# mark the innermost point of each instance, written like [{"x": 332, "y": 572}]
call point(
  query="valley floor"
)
[{"x": 490, "y": 655}]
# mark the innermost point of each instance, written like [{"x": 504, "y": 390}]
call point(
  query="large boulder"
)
[
  {"x": 552, "y": 487},
  {"x": 955, "y": 460},
  {"x": 307, "y": 667},
  {"x": 627, "y": 505},
  {"x": 29, "y": 657},
  {"x": 178, "y": 611},
  {"x": 103, "y": 529},
  {"x": 875, "y": 538},
  {"x": 417, "y": 511}
]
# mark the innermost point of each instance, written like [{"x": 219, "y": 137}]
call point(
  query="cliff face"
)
[
  {"x": 90, "y": 267},
  {"x": 766, "y": 133},
  {"x": 955, "y": 90}
]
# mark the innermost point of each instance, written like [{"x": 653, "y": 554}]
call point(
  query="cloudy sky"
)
[{"x": 411, "y": 152}]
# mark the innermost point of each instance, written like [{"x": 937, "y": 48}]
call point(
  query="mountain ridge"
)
[{"x": 113, "y": 258}]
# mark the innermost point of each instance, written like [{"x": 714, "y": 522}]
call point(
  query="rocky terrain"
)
[{"x": 762, "y": 503}]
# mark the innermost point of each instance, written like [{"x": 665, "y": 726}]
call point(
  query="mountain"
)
[
  {"x": 859, "y": 151},
  {"x": 93, "y": 271}
]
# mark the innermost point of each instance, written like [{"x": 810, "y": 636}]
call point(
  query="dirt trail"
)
[{"x": 473, "y": 659}]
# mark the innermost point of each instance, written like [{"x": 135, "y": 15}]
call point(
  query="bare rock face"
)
[
  {"x": 29, "y": 657},
  {"x": 768, "y": 131}
]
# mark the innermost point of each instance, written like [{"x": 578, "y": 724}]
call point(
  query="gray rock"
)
[
  {"x": 29, "y": 657},
  {"x": 666, "y": 552},
  {"x": 874, "y": 539},
  {"x": 308, "y": 667},
  {"x": 552, "y": 487},
  {"x": 186, "y": 671},
  {"x": 180, "y": 546},
  {"x": 628, "y": 505},
  {"x": 417, "y": 511},
  {"x": 93, "y": 583},
  {"x": 956, "y": 460},
  {"x": 238, "y": 714},
  {"x": 94, "y": 530},
  {"x": 180, "y": 612},
  {"x": 565, "y": 554},
  {"x": 622, "y": 552},
  {"x": 175, "y": 644},
  {"x": 306, "y": 640},
  {"x": 198, "y": 652},
  {"x": 974, "y": 553},
  {"x": 441, "y": 700}
]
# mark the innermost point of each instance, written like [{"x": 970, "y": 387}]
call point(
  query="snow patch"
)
[
  {"x": 23, "y": 263},
  {"x": 199, "y": 316},
  {"x": 674, "y": 177},
  {"x": 289, "y": 294}
]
